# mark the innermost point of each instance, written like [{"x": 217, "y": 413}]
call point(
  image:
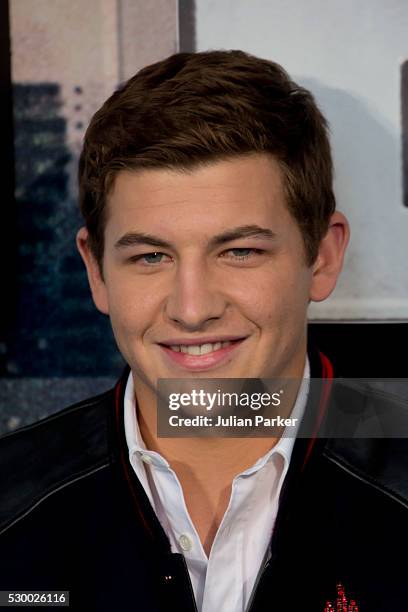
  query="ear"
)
[
  {"x": 96, "y": 282},
  {"x": 329, "y": 261}
]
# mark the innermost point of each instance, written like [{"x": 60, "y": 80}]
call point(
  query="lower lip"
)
[{"x": 202, "y": 362}]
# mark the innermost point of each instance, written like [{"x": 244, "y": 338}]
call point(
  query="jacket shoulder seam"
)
[
  {"x": 353, "y": 471},
  {"x": 52, "y": 490}
]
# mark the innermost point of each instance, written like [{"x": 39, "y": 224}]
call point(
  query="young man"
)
[{"x": 206, "y": 188}]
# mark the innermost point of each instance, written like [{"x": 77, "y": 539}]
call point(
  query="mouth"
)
[{"x": 201, "y": 356}]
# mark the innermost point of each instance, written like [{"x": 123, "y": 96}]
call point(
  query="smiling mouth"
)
[
  {"x": 200, "y": 349},
  {"x": 201, "y": 356}
]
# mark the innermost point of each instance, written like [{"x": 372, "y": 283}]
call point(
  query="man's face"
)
[{"x": 202, "y": 257}]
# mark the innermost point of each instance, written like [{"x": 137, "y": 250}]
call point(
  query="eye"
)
[
  {"x": 241, "y": 254},
  {"x": 149, "y": 258}
]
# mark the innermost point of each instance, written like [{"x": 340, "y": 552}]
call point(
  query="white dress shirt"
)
[{"x": 225, "y": 579}]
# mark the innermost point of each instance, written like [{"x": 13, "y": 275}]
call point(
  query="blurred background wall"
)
[
  {"x": 61, "y": 59},
  {"x": 350, "y": 55},
  {"x": 65, "y": 58}
]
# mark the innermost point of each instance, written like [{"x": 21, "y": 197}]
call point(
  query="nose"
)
[{"x": 196, "y": 297}]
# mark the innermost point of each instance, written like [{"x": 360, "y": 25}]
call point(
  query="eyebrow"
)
[{"x": 243, "y": 231}]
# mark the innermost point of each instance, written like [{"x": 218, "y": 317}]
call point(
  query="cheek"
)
[
  {"x": 285, "y": 302},
  {"x": 130, "y": 298},
  {"x": 131, "y": 304}
]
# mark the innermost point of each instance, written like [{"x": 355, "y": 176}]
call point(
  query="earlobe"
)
[
  {"x": 329, "y": 262},
  {"x": 96, "y": 282}
]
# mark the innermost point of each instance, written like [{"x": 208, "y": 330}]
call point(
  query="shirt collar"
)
[
  {"x": 135, "y": 442},
  {"x": 284, "y": 446}
]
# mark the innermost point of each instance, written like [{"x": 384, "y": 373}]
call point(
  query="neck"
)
[
  {"x": 203, "y": 457},
  {"x": 205, "y": 468}
]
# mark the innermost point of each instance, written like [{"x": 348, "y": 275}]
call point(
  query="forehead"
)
[{"x": 242, "y": 190}]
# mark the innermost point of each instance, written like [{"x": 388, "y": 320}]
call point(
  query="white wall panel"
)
[{"x": 349, "y": 55}]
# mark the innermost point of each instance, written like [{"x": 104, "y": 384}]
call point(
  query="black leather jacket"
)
[{"x": 73, "y": 516}]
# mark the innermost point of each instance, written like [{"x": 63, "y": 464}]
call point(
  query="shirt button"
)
[
  {"x": 185, "y": 542},
  {"x": 146, "y": 458}
]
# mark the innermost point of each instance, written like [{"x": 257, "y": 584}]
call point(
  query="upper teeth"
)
[{"x": 199, "y": 349}]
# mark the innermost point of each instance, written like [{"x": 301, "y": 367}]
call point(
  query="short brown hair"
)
[{"x": 196, "y": 108}]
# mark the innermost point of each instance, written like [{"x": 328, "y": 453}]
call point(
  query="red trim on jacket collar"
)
[{"x": 327, "y": 377}]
